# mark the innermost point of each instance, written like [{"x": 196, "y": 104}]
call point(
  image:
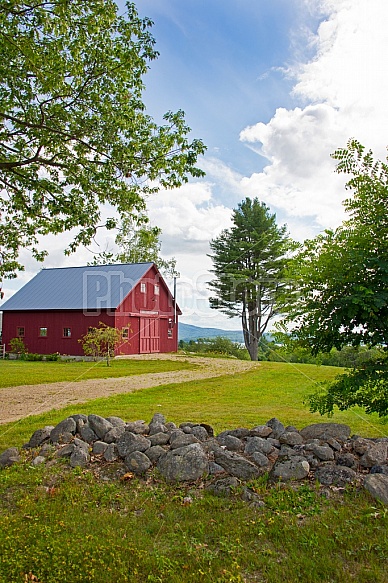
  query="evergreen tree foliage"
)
[{"x": 249, "y": 262}]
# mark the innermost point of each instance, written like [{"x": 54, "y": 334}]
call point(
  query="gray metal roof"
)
[{"x": 78, "y": 288}]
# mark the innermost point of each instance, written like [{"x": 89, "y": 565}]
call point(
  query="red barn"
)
[{"x": 58, "y": 306}]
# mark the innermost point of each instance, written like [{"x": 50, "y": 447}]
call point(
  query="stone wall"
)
[{"x": 324, "y": 452}]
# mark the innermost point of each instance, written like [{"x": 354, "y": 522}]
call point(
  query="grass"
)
[
  {"x": 19, "y": 372},
  {"x": 242, "y": 400},
  {"x": 63, "y": 525},
  {"x": 60, "y": 525}
]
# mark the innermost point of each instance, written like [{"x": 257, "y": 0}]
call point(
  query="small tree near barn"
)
[{"x": 101, "y": 342}]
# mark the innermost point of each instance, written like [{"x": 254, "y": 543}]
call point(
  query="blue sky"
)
[{"x": 272, "y": 87}]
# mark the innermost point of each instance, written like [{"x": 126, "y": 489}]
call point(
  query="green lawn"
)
[
  {"x": 19, "y": 372},
  {"x": 243, "y": 400},
  {"x": 59, "y": 525}
]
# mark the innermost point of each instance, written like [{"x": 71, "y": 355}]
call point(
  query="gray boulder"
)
[
  {"x": 375, "y": 455},
  {"x": 137, "y": 462},
  {"x": 99, "y": 447},
  {"x": 80, "y": 456},
  {"x": 99, "y": 425},
  {"x": 39, "y": 437},
  {"x": 111, "y": 453},
  {"x": 295, "y": 468},
  {"x": 276, "y": 426},
  {"x": 63, "y": 432},
  {"x": 154, "y": 453},
  {"x": 236, "y": 465},
  {"x": 130, "y": 442},
  {"x": 291, "y": 438},
  {"x": 335, "y": 475},
  {"x": 38, "y": 460},
  {"x": 184, "y": 464},
  {"x": 323, "y": 452},
  {"x": 230, "y": 442},
  {"x": 325, "y": 431},
  {"x": 179, "y": 440},
  {"x": 159, "y": 438},
  {"x": 346, "y": 459},
  {"x": 200, "y": 433},
  {"x": 224, "y": 487},
  {"x": 87, "y": 433},
  {"x": 260, "y": 459},
  {"x": 114, "y": 434},
  {"x": 258, "y": 444},
  {"x": 377, "y": 485},
  {"x": 9, "y": 457},
  {"x": 261, "y": 431},
  {"x": 116, "y": 421},
  {"x": 137, "y": 427}
]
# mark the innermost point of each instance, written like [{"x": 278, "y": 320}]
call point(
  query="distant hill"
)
[{"x": 187, "y": 332}]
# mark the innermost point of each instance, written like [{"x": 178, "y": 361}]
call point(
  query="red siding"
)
[{"x": 148, "y": 315}]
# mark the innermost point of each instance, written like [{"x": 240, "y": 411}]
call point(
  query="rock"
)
[
  {"x": 154, "y": 453},
  {"x": 184, "y": 464},
  {"x": 159, "y": 438},
  {"x": 274, "y": 442},
  {"x": 323, "y": 452},
  {"x": 130, "y": 442},
  {"x": 377, "y": 485},
  {"x": 361, "y": 445},
  {"x": 157, "y": 424},
  {"x": 87, "y": 433},
  {"x": 99, "y": 447},
  {"x": 346, "y": 459},
  {"x": 38, "y": 460},
  {"x": 200, "y": 433},
  {"x": 335, "y": 475},
  {"x": 137, "y": 462},
  {"x": 252, "y": 498},
  {"x": 40, "y": 436},
  {"x": 276, "y": 426},
  {"x": 178, "y": 440},
  {"x": 116, "y": 421},
  {"x": 261, "y": 431},
  {"x": 114, "y": 434},
  {"x": 379, "y": 470},
  {"x": 295, "y": 468},
  {"x": 138, "y": 427},
  {"x": 333, "y": 444},
  {"x": 240, "y": 432},
  {"x": 375, "y": 455},
  {"x": 79, "y": 458},
  {"x": 80, "y": 420},
  {"x": 215, "y": 469},
  {"x": 260, "y": 459},
  {"x": 258, "y": 444},
  {"x": 9, "y": 457},
  {"x": 99, "y": 425},
  {"x": 324, "y": 431},
  {"x": 62, "y": 431},
  {"x": 224, "y": 487},
  {"x": 291, "y": 438},
  {"x": 236, "y": 465},
  {"x": 209, "y": 429},
  {"x": 230, "y": 442},
  {"x": 111, "y": 453},
  {"x": 65, "y": 451}
]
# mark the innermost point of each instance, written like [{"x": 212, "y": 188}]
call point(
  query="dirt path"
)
[{"x": 25, "y": 400}]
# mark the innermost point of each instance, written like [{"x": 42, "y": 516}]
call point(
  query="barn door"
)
[{"x": 149, "y": 335}]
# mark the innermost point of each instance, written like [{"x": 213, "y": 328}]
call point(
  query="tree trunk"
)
[{"x": 251, "y": 339}]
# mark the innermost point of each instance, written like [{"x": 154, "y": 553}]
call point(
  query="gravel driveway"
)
[{"x": 25, "y": 400}]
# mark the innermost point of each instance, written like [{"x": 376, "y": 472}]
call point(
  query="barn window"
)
[
  {"x": 43, "y": 332},
  {"x": 169, "y": 333},
  {"x": 20, "y": 331},
  {"x": 156, "y": 290},
  {"x": 125, "y": 332},
  {"x": 143, "y": 288},
  {"x": 67, "y": 332}
]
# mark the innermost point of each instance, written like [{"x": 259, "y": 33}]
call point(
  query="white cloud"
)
[{"x": 343, "y": 90}]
